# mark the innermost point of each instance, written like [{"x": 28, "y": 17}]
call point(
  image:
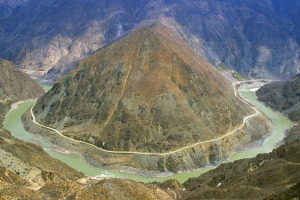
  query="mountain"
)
[
  {"x": 256, "y": 38},
  {"x": 28, "y": 172},
  {"x": 15, "y": 85},
  {"x": 80, "y": 28},
  {"x": 274, "y": 175},
  {"x": 145, "y": 92},
  {"x": 283, "y": 96}
]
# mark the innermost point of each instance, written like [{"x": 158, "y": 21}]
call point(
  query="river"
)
[{"x": 280, "y": 125}]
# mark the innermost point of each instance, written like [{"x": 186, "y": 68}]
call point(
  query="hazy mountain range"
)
[{"x": 257, "y": 38}]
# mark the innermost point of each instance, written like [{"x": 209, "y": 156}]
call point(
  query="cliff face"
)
[
  {"x": 257, "y": 38},
  {"x": 283, "y": 96},
  {"x": 145, "y": 92}
]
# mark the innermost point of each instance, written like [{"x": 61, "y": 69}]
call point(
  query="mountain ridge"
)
[
  {"x": 144, "y": 73},
  {"x": 258, "y": 39}
]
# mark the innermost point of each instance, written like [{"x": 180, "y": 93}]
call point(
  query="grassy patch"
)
[
  {"x": 222, "y": 67},
  {"x": 238, "y": 76}
]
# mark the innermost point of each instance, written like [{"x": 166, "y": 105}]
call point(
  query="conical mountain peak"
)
[{"x": 145, "y": 92}]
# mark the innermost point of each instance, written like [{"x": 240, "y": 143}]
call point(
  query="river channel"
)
[{"x": 280, "y": 125}]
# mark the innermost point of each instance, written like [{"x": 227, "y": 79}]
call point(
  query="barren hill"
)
[{"x": 145, "y": 92}]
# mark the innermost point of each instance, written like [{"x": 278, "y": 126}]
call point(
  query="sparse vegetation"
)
[
  {"x": 238, "y": 76},
  {"x": 222, "y": 67}
]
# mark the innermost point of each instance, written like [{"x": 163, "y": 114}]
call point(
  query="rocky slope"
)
[
  {"x": 15, "y": 85},
  {"x": 146, "y": 92},
  {"x": 259, "y": 39},
  {"x": 28, "y": 172},
  {"x": 267, "y": 176},
  {"x": 283, "y": 96}
]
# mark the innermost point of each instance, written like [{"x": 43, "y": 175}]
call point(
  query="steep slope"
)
[
  {"x": 28, "y": 172},
  {"x": 80, "y": 28},
  {"x": 257, "y": 38},
  {"x": 283, "y": 96},
  {"x": 15, "y": 85},
  {"x": 267, "y": 176},
  {"x": 272, "y": 176},
  {"x": 145, "y": 92}
]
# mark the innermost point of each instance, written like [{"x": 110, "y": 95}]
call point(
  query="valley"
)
[
  {"x": 280, "y": 124},
  {"x": 149, "y": 99}
]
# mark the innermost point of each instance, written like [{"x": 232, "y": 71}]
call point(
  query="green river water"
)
[{"x": 280, "y": 124}]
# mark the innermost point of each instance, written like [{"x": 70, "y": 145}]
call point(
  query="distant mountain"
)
[
  {"x": 283, "y": 96},
  {"x": 145, "y": 92},
  {"x": 257, "y": 38}
]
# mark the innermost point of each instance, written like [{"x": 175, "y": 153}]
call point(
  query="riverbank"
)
[{"x": 105, "y": 170}]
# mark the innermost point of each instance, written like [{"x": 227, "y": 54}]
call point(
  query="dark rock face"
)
[
  {"x": 146, "y": 92},
  {"x": 257, "y": 38},
  {"x": 283, "y": 96}
]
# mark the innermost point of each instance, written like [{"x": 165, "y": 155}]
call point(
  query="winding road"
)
[{"x": 167, "y": 153}]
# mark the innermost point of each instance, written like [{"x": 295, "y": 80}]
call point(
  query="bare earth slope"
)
[
  {"x": 15, "y": 84},
  {"x": 28, "y": 172},
  {"x": 267, "y": 176},
  {"x": 145, "y": 92},
  {"x": 283, "y": 96}
]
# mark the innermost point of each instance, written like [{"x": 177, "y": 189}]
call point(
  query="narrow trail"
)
[{"x": 167, "y": 153}]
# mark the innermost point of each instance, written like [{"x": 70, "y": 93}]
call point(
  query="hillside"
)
[
  {"x": 283, "y": 96},
  {"x": 267, "y": 176},
  {"x": 28, "y": 172},
  {"x": 15, "y": 85},
  {"x": 256, "y": 38},
  {"x": 146, "y": 92}
]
